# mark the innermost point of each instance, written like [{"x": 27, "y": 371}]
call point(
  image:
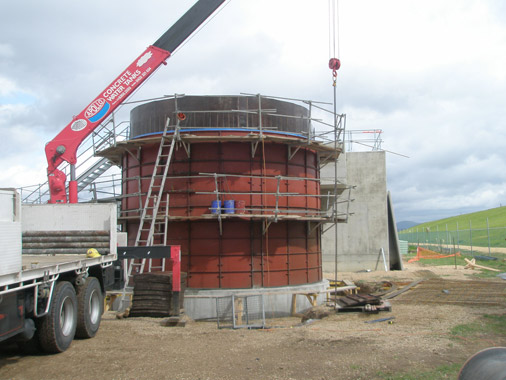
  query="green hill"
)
[
  {"x": 457, "y": 229},
  {"x": 496, "y": 218}
]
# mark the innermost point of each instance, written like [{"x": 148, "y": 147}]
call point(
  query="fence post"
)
[
  {"x": 447, "y": 238},
  {"x": 458, "y": 237},
  {"x": 471, "y": 236},
  {"x": 454, "y": 253},
  {"x": 488, "y": 236}
]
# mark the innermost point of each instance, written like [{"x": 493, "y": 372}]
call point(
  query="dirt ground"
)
[
  {"x": 485, "y": 250},
  {"x": 340, "y": 346}
]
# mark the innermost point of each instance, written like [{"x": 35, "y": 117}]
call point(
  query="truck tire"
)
[
  {"x": 57, "y": 328},
  {"x": 90, "y": 306}
]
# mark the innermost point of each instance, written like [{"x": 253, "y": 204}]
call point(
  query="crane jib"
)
[
  {"x": 64, "y": 146},
  {"x": 187, "y": 24}
]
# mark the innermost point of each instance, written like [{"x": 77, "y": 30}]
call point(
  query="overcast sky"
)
[{"x": 431, "y": 74}]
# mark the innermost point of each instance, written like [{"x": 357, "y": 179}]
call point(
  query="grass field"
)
[
  {"x": 468, "y": 229},
  {"x": 496, "y": 218}
]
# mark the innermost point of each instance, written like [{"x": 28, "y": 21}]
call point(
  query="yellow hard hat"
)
[{"x": 92, "y": 253}]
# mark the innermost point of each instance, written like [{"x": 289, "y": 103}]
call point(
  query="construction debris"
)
[
  {"x": 362, "y": 303},
  {"x": 388, "y": 319},
  {"x": 402, "y": 290},
  {"x": 472, "y": 264},
  {"x": 123, "y": 314},
  {"x": 318, "y": 312}
]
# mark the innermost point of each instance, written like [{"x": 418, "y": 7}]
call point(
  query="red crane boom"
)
[{"x": 64, "y": 146}]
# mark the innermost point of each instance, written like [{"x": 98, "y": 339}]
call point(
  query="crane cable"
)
[
  {"x": 334, "y": 62},
  {"x": 334, "y": 65}
]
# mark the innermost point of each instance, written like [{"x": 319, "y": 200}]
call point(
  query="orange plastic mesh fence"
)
[{"x": 422, "y": 253}]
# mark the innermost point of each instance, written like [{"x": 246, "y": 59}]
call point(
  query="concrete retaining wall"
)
[{"x": 359, "y": 241}]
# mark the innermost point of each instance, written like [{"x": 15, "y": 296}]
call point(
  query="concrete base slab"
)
[{"x": 200, "y": 304}]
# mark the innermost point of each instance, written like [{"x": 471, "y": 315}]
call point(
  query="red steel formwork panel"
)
[
  {"x": 233, "y": 158},
  {"x": 243, "y": 256}
]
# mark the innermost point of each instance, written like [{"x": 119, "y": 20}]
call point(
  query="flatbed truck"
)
[{"x": 51, "y": 290}]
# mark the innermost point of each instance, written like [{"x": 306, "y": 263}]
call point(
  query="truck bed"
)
[
  {"x": 40, "y": 266},
  {"x": 40, "y": 261}
]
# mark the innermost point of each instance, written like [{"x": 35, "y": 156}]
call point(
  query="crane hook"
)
[{"x": 334, "y": 65}]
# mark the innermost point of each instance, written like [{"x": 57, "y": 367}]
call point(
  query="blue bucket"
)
[
  {"x": 216, "y": 207},
  {"x": 229, "y": 207}
]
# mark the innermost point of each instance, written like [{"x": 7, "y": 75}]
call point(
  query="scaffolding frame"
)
[
  {"x": 269, "y": 214},
  {"x": 328, "y": 142},
  {"x": 101, "y": 185}
]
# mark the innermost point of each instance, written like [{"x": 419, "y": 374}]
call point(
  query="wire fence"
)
[
  {"x": 240, "y": 311},
  {"x": 475, "y": 241}
]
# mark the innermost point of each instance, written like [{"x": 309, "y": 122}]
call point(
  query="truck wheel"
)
[
  {"x": 90, "y": 302},
  {"x": 58, "y": 327}
]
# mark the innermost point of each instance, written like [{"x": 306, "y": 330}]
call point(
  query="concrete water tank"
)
[{"x": 263, "y": 164}]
